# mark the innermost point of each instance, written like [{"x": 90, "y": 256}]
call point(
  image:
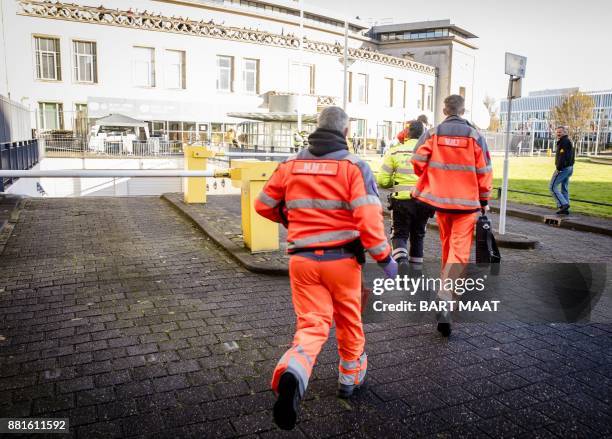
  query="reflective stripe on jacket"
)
[
  {"x": 331, "y": 200},
  {"x": 396, "y": 171},
  {"x": 453, "y": 165}
]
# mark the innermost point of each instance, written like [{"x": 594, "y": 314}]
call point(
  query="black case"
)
[{"x": 486, "y": 247}]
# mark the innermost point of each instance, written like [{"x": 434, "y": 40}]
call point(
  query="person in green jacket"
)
[{"x": 409, "y": 216}]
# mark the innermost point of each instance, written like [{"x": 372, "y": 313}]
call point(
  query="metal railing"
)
[
  {"x": 16, "y": 156},
  {"x": 81, "y": 147},
  {"x": 105, "y": 173}
]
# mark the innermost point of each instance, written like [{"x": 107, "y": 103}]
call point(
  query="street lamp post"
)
[
  {"x": 515, "y": 68},
  {"x": 345, "y": 62},
  {"x": 301, "y": 45}
]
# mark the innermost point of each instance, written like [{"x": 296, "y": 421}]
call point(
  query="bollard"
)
[
  {"x": 259, "y": 233},
  {"x": 196, "y": 159},
  {"x": 549, "y": 152}
]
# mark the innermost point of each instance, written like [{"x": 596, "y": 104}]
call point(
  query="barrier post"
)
[
  {"x": 259, "y": 233},
  {"x": 196, "y": 159}
]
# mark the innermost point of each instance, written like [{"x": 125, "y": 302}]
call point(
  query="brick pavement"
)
[{"x": 120, "y": 315}]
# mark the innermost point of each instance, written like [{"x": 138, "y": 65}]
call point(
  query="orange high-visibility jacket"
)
[
  {"x": 454, "y": 167},
  {"x": 331, "y": 200}
]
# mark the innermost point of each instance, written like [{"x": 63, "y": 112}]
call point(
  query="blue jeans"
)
[{"x": 560, "y": 179}]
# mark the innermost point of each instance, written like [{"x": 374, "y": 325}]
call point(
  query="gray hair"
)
[
  {"x": 454, "y": 105},
  {"x": 333, "y": 118},
  {"x": 562, "y": 127}
]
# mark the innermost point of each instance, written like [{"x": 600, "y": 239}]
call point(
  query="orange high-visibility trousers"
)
[
  {"x": 323, "y": 291},
  {"x": 456, "y": 235}
]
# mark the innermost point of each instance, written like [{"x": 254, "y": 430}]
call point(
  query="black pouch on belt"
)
[{"x": 357, "y": 248}]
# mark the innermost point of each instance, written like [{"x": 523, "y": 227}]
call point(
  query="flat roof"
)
[
  {"x": 287, "y": 4},
  {"x": 421, "y": 25},
  {"x": 274, "y": 117}
]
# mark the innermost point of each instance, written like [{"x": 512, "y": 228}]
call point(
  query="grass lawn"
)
[{"x": 590, "y": 181}]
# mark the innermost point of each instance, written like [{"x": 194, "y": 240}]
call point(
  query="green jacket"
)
[{"x": 396, "y": 171}]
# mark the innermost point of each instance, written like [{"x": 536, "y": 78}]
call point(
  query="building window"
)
[
  {"x": 430, "y": 96},
  {"x": 362, "y": 88},
  {"x": 388, "y": 129},
  {"x": 85, "y": 61},
  {"x": 225, "y": 73},
  {"x": 462, "y": 92},
  {"x": 80, "y": 125},
  {"x": 421, "y": 97},
  {"x": 175, "y": 69},
  {"x": 250, "y": 76},
  {"x": 144, "y": 67},
  {"x": 48, "y": 63},
  {"x": 51, "y": 116},
  {"x": 358, "y": 128},
  {"x": 400, "y": 94},
  {"x": 388, "y": 92},
  {"x": 301, "y": 78}
]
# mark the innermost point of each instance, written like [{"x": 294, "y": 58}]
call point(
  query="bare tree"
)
[
  {"x": 489, "y": 103},
  {"x": 574, "y": 112}
]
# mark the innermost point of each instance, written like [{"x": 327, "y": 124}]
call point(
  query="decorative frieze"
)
[{"x": 155, "y": 22}]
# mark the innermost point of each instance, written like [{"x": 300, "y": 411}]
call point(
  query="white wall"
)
[
  {"x": 200, "y": 101},
  {"x": 464, "y": 63}
]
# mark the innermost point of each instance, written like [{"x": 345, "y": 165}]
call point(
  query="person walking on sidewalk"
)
[
  {"x": 409, "y": 216},
  {"x": 455, "y": 176},
  {"x": 564, "y": 162},
  {"x": 328, "y": 198}
]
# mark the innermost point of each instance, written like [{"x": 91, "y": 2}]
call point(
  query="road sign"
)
[{"x": 515, "y": 65}]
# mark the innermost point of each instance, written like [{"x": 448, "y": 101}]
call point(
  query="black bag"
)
[{"x": 486, "y": 247}]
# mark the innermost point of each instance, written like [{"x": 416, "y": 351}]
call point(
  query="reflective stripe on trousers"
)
[{"x": 353, "y": 372}]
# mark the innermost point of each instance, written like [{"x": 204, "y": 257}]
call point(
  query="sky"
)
[{"x": 567, "y": 42}]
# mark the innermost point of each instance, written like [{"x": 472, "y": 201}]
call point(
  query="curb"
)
[
  {"x": 509, "y": 240},
  {"x": 564, "y": 223},
  {"x": 240, "y": 254}
]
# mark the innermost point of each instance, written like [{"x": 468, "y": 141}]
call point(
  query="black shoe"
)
[
  {"x": 287, "y": 404},
  {"x": 444, "y": 329},
  {"x": 403, "y": 268},
  {"x": 563, "y": 210}
]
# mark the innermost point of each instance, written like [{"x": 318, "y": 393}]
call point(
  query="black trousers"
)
[{"x": 409, "y": 224}]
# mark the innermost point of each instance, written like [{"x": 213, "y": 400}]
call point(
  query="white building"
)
[
  {"x": 184, "y": 65},
  {"x": 438, "y": 43}
]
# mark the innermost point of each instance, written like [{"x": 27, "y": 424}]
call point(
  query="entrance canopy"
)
[
  {"x": 120, "y": 120},
  {"x": 275, "y": 117}
]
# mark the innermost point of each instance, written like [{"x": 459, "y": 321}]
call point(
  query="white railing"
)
[
  {"x": 102, "y": 173},
  {"x": 80, "y": 147}
]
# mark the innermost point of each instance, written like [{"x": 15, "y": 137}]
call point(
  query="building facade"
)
[
  {"x": 531, "y": 115},
  {"x": 438, "y": 43},
  {"x": 184, "y": 66}
]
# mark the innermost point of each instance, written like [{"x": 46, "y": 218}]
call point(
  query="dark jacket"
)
[{"x": 564, "y": 156}]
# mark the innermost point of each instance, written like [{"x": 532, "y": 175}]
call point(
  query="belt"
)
[{"x": 323, "y": 250}]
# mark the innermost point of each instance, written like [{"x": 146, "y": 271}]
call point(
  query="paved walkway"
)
[{"x": 120, "y": 315}]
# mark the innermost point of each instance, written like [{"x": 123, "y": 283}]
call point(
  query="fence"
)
[
  {"x": 17, "y": 156},
  {"x": 67, "y": 145},
  {"x": 15, "y": 121}
]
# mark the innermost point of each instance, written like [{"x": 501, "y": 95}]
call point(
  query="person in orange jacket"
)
[
  {"x": 329, "y": 200},
  {"x": 455, "y": 177}
]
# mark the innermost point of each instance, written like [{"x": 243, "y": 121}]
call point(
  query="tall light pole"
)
[
  {"x": 515, "y": 68},
  {"x": 301, "y": 56},
  {"x": 345, "y": 63}
]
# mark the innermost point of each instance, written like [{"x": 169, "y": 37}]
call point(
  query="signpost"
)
[{"x": 515, "y": 68}]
